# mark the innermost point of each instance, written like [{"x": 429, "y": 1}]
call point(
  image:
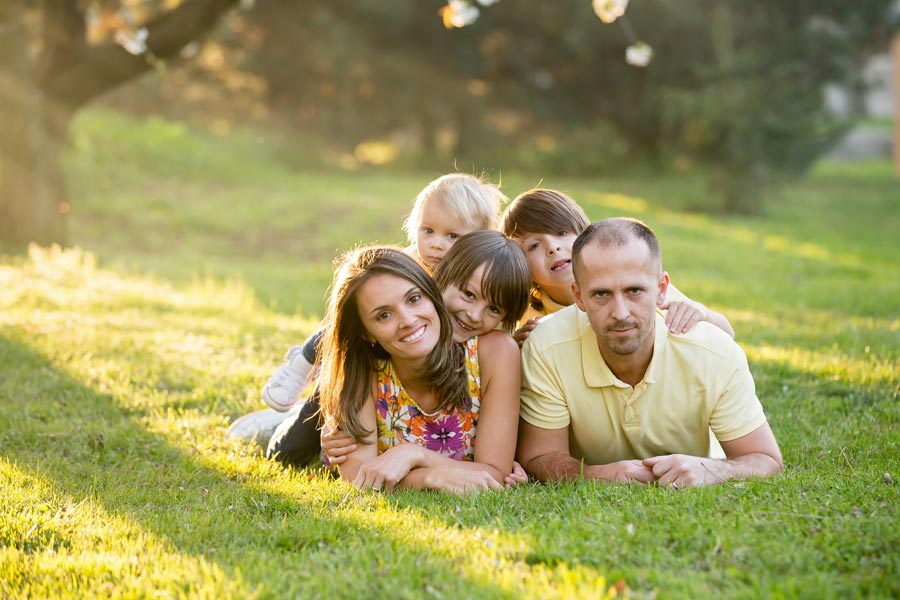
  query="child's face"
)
[
  {"x": 471, "y": 313},
  {"x": 549, "y": 257},
  {"x": 437, "y": 231}
]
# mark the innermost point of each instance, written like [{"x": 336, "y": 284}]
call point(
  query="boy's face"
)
[
  {"x": 437, "y": 231},
  {"x": 470, "y": 312},
  {"x": 549, "y": 257}
]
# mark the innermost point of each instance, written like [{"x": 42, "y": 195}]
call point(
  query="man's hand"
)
[
  {"x": 337, "y": 445},
  {"x": 624, "y": 471},
  {"x": 525, "y": 330},
  {"x": 679, "y": 470},
  {"x": 682, "y": 315}
]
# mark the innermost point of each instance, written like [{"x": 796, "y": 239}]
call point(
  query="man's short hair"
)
[{"x": 615, "y": 233}]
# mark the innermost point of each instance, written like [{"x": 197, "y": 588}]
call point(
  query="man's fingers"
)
[
  {"x": 650, "y": 462},
  {"x": 639, "y": 474},
  {"x": 647, "y": 475},
  {"x": 667, "y": 479},
  {"x": 659, "y": 467}
]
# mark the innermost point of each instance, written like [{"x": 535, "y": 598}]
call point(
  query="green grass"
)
[{"x": 202, "y": 259}]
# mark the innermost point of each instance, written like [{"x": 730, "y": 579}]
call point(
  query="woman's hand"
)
[
  {"x": 383, "y": 472},
  {"x": 337, "y": 444},
  {"x": 517, "y": 476},
  {"x": 525, "y": 330},
  {"x": 457, "y": 480}
]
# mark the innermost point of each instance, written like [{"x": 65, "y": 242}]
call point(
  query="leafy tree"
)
[
  {"x": 733, "y": 85},
  {"x": 752, "y": 107},
  {"x": 49, "y": 68}
]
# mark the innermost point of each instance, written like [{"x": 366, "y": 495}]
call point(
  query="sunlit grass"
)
[{"x": 202, "y": 260}]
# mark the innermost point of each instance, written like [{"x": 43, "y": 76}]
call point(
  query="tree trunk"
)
[
  {"x": 39, "y": 97},
  {"x": 30, "y": 139},
  {"x": 33, "y": 202}
]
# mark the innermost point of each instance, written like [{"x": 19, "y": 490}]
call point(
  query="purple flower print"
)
[
  {"x": 382, "y": 407},
  {"x": 445, "y": 436}
]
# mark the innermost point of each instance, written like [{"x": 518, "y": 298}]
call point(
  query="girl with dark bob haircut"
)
[{"x": 505, "y": 279}]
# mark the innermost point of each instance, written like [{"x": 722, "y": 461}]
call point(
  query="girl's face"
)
[
  {"x": 471, "y": 313},
  {"x": 549, "y": 257},
  {"x": 399, "y": 316},
  {"x": 437, "y": 231}
]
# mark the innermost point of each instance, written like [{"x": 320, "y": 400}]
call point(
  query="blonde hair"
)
[{"x": 468, "y": 198}]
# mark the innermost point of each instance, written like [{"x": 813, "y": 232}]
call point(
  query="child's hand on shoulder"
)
[
  {"x": 525, "y": 330},
  {"x": 682, "y": 315}
]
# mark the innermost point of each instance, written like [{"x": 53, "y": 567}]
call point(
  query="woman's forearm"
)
[
  {"x": 459, "y": 478},
  {"x": 429, "y": 459}
]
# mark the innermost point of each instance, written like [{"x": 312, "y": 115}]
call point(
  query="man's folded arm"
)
[{"x": 544, "y": 454}]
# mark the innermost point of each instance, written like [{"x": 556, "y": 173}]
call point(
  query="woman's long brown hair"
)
[{"x": 349, "y": 362}]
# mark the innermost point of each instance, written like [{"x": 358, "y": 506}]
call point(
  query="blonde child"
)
[{"x": 545, "y": 223}]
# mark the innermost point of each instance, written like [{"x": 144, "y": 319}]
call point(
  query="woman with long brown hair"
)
[{"x": 393, "y": 378}]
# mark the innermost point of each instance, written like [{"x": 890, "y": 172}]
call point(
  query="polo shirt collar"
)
[{"x": 597, "y": 373}]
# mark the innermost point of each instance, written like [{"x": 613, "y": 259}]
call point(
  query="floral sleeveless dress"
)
[{"x": 448, "y": 431}]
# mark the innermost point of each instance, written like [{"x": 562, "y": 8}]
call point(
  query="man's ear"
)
[
  {"x": 663, "y": 286},
  {"x": 579, "y": 301}
]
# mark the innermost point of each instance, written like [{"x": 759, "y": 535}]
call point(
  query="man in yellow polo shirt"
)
[{"x": 608, "y": 393}]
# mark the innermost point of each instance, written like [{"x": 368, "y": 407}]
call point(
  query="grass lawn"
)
[{"x": 201, "y": 260}]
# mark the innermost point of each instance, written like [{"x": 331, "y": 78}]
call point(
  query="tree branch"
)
[
  {"x": 105, "y": 67},
  {"x": 63, "y": 43}
]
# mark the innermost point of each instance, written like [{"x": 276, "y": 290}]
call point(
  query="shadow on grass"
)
[
  {"x": 84, "y": 446},
  {"x": 88, "y": 448}
]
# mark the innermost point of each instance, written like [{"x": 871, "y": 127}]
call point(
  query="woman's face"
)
[
  {"x": 398, "y": 315},
  {"x": 471, "y": 313}
]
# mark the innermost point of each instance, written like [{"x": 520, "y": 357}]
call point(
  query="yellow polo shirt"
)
[{"x": 697, "y": 383}]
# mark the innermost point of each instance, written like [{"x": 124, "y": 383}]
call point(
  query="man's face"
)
[{"x": 619, "y": 289}]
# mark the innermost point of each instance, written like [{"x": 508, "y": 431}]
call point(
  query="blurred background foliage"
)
[
  {"x": 734, "y": 89},
  {"x": 538, "y": 86}
]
